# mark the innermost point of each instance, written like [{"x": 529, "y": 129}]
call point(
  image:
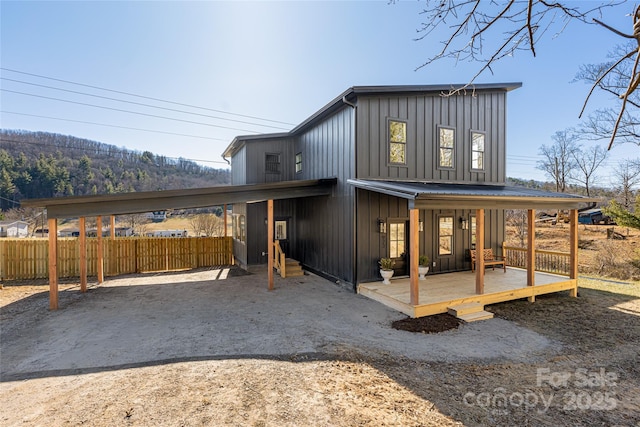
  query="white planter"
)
[
  {"x": 386, "y": 275},
  {"x": 422, "y": 271}
]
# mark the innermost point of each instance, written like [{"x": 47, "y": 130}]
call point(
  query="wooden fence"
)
[
  {"x": 545, "y": 261},
  {"x": 22, "y": 259}
]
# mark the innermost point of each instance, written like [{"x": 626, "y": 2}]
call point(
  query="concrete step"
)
[
  {"x": 474, "y": 317},
  {"x": 467, "y": 308}
]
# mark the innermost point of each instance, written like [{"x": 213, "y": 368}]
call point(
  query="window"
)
[
  {"x": 280, "y": 230},
  {"x": 477, "y": 150},
  {"x": 446, "y": 147},
  {"x": 445, "y": 235},
  {"x": 272, "y": 163},
  {"x": 397, "y": 142},
  {"x": 239, "y": 227},
  {"x": 473, "y": 231},
  {"x": 396, "y": 240},
  {"x": 298, "y": 162}
]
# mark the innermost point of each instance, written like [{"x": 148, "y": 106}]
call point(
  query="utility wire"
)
[
  {"x": 113, "y": 126},
  {"x": 145, "y": 97},
  {"x": 143, "y": 104},
  {"x": 126, "y": 111},
  {"x": 100, "y": 150}
]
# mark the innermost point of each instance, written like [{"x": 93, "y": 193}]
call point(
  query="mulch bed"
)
[{"x": 428, "y": 325}]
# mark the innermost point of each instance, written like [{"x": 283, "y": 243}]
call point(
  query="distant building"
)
[
  {"x": 157, "y": 216},
  {"x": 167, "y": 233},
  {"x": 14, "y": 228}
]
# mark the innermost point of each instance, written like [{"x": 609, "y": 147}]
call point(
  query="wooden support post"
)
[
  {"x": 414, "y": 253},
  {"x": 100, "y": 267},
  {"x": 480, "y": 251},
  {"x": 53, "y": 264},
  {"x": 82, "y": 237},
  {"x": 531, "y": 250},
  {"x": 224, "y": 217},
  {"x": 573, "y": 244},
  {"x": 112, "y": 227},
  {"x": 270, "y": 248}
]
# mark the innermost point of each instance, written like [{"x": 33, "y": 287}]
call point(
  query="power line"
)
[
  {"x": 113, "y": 126},
  {"x": 98, "y": 150},
  {"x": 126, "y": 111},
  {"x": 146, "y": 97},
  {"x": 144, "y": 105}
]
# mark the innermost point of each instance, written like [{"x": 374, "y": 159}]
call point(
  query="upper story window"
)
[
  {"x": 446, "y": 145},
  {"x": 477, "y": 150},
  {"x": 272, "y": 163},
  {"x": 397, "y": 142},
  {"x": 298, "y": 162}
]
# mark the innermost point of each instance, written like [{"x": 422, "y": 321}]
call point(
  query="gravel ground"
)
[{"x": 198, "y": 349}]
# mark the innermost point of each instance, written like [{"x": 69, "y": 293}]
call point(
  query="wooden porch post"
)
[
  {"x": 112, "y": 227},
  {"x": 100, "y": 267},
  {"x": 270, "y": 248},
  {"x": 531, "y": 250},
  {"x": 414, "y": 249},
  {"x": 479, "y": 251},
  {"x": 573, "y": 274},
  {"x": 224, "y": 219},
  {"x": 53, "y": 264},
  {"x": 82, "y": 237}
]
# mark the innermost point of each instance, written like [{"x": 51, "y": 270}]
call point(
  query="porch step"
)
[
  {"x": 292, "y": 268},
  {"x": 462, "y": 309},
  {"x": 478, "y": 315}
]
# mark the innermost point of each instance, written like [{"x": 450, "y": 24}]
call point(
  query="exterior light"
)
[
  {"x": 420, "y": 225},
  {"x": 382, "y": 226},
  {"x": 464, "y": 223}
]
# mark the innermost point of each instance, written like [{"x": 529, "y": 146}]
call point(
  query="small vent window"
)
[
  {"x": 272, "y": 163},
  {"x": 298, "y": 162}
]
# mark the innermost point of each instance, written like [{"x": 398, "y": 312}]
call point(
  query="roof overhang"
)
[
  {"x": 148, "y": 201},
  {"x": 424, "y": 195}
]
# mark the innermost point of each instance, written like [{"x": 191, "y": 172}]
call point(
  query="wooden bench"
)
[{"x": 489, "y": 260}]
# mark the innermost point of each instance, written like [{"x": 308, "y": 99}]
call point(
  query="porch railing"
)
[
  {"x": 545, "y": 261},
  {"x": 279, "y": 259}
]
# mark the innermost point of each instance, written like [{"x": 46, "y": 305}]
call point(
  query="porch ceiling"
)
[
  {"x": 426, "y": 195},
  {"x": 148, "y": 201}
]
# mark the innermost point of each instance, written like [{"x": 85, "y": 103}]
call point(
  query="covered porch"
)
[{"x": 439, "y": 292}]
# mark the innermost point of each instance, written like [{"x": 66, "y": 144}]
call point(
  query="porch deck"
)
[{"x": 440, "y": 291}]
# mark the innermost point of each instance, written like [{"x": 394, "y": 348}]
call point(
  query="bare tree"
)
[
  {"x": 559, "y": 158},
  {"x": 627, "y": 173},
  {"x": 207, "y": 224},
  {"x": 137, "y": 222},
  {"x": 517, "y": 218},
  {"x": 587, "y": 163},
  {"x": 600, "y": 124},
  {"x": 487, "y": 31}
]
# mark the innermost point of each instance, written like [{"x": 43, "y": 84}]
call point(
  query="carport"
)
[{"x": 131, "y": 203}]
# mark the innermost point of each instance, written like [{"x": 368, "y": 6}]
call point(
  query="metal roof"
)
[
  {"x": 148, "y": 201},
  {"x": 427, "y": 195}
]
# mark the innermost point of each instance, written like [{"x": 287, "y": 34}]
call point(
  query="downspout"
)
[
  {"x": 225, "y": 159},
  {"x": 354, "y": 237}
]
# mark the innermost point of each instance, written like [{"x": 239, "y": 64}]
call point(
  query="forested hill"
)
[{"x": 41, "y": 164}]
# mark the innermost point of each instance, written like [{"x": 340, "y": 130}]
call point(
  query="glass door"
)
[{"x": 398, "y": 244}]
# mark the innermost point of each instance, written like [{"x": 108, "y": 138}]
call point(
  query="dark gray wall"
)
[
  {"x": 372, "y": 245},
  {"x": 239, "y": 167},
  {"x": 325, "y": 225},
  {"x": 254, "y": 154},
  {"x": 484, "y": 111}
]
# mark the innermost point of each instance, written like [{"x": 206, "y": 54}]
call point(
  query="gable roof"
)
[
  {"x": 425, "y": 195},
  {"x": 348, "y": 96}
]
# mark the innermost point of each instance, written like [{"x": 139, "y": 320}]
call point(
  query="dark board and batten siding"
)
[
  {"x": 325, "y": 225},
  {"x": 255, "y": 152},
  {"x": 484, "y": 111},
  {"x": 373, "y": 245},
  {"x": 239, "y": 167}
]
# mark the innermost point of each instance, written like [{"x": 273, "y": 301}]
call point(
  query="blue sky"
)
[{"x": 280, "y": 61}]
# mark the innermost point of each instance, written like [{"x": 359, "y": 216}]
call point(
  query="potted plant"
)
[
  {"x": 423, "y": 267},
  {"x": 386, "y": 269}
]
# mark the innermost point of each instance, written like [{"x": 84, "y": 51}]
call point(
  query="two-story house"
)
[{"x": 396, "y": 151}]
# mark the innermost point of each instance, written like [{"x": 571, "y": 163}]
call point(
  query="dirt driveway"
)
[{"x": 202, "y": 349}]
